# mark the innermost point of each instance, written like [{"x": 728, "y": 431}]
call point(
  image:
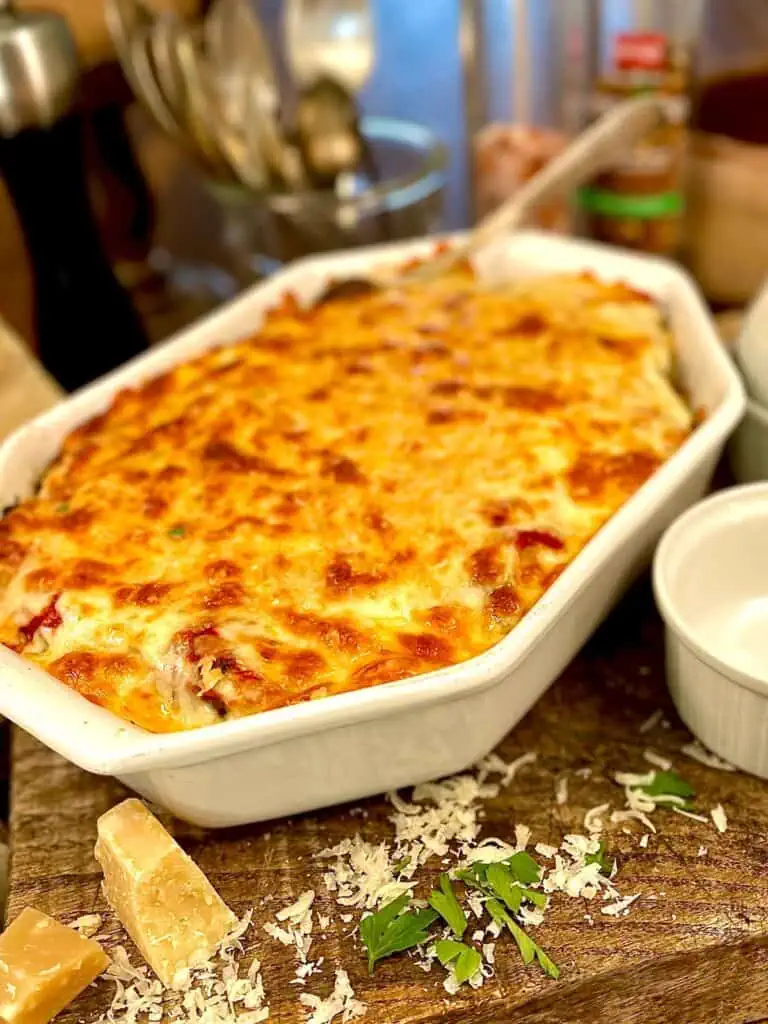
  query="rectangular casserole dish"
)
[{"x": 355, "y": 744}]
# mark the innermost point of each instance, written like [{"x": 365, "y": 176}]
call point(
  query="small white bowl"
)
[
  {"x": 748, "y": 447},
  {"x": 710, "y": 578}
]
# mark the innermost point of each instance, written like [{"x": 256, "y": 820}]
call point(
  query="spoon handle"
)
[{"x": 595, "y": 150}]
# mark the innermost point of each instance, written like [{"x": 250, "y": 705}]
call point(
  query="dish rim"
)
[{"x": 100, "y": 742}]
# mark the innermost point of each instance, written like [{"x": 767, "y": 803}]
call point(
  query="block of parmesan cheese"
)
[
  {"x": 43, "y": 966},
  {"x": 165, "y": 902}
]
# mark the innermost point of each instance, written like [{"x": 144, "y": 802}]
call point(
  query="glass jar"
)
[{"x": 645, "y": 46}]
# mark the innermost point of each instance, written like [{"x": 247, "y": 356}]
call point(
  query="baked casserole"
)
[{"x": 358, "y": 493}]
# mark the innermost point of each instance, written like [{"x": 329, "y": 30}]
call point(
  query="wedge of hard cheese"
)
[
  {"x": 165, "y": 902},
  {"x": 43, "y": 966}
]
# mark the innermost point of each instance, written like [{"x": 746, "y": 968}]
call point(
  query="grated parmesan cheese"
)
[
  {"x": 657, "y": 760},
  {"x": 719, "y": 818},
  {"x": 212, "y": 994},
  {"x": 593, "y": 819},
  {"x": 341, "y": 1002},
  {"x": 691, "y": 815},
  {"x": 561, "y": 791},
  {"x": 88, "y": 925},
  {"x": 620, "y": 906},
  {"x": 652, "y": 721}
]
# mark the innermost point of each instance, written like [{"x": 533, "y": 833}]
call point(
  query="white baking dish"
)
[{"x": 352, "y": 745}]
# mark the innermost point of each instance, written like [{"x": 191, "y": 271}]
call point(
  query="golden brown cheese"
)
[{"x": 353, "y": 495}]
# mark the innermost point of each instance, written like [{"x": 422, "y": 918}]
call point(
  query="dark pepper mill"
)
[{"x": 84, "y": 320}]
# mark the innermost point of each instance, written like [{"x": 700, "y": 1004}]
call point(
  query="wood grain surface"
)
[{"x": 693, "y": 949}]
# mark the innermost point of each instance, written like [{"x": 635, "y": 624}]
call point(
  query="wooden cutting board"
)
[{"x": 693, "y": 949}]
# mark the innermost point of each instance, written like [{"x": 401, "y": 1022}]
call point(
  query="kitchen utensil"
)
[
  {"x": 330, "y": 39},
  {"x": 344, "y": 747},
  {"x": 328, "y": 131},
  {"x": 149, "y": 90},
  {"x": 201, "y": 115},
  {"x": 245, "y": 83},
  {"x": 84, "y": 321},
  {"x": 709, "y": 580},
  {"x": 598, "y": 147},
  {"x": 405, "y": 199},
  {"x": 330, "y": 50}
]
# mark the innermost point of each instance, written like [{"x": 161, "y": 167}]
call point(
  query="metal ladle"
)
[{"x": 328, "y": 131}]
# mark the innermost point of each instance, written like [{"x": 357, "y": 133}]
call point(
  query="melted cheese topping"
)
[{"x": 355, "y": 494}]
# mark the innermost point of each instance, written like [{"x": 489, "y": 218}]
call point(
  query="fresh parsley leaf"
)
[
  {"x": 466, "y": 960},
  {"x": 177, "y": 531},
  {"x": 392, "y": 929},
  {"x": 538, "y": 899},
  {"x": 525, "y": 867},
  {"x": 445, "y": 903},
  {"x": 502, "y": 881},
  {"x": 474, "y": 876},
  {"x": 600, "y": 858},
  {"x": 668, "y": 784},
  {"x": 63, "y": 508},
  {"x": 529, "y": 950}
]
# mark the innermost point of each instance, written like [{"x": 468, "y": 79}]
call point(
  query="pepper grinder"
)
[{"x": 84, "y": 320}]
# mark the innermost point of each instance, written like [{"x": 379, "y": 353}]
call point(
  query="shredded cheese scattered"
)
[
  {"x": 341, "y": 1002},
  {"x": 719, "y": 818},
  {"x": 619, "y": 907},
  {"x": 657, "y": 760},
  {"x": 561, "y": 791},
  {"x": 652, "y": 721}
]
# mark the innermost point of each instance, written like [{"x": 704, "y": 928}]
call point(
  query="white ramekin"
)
[{"x": 710, "y": 578}]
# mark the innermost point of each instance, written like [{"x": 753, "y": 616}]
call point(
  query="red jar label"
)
[{"x": 644, "y": 51}]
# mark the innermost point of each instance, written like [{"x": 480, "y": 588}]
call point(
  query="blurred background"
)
[{"x": 160, "y": 155}]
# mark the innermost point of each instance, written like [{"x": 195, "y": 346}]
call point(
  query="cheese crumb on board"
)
[
  {"x": 43, "y": 966},
  {"x": 87, "y": 925},
  {"x": 561, "y": 791},
  {"x": 163, "y": 899},
  {"x": 341, "y": 1002},
  {"x": 593, "y": 819},
  {"x": 719, "y": 818},
  {"x": 652, "y": 721},
  {"x": 619, "y": 907},
  {"x": 657, "y": 760}
]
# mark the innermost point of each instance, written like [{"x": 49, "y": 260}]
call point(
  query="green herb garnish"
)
[
  {"x": 599, "y": 857},
  {"x": 504, "y": 885},
  {"x": 393, "y": 929},
  {"x": 177, "y": 531},
  {"x": 63, "y": 508},
  {"x": 466, "y": 960},
  {"x": 401, "y": 865},
  {"x": 528, "y": 948},
  {"x": 668, "y": 784},
  {"x": 506, "y": 880},
  {"x": 445, "y": 903}
]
